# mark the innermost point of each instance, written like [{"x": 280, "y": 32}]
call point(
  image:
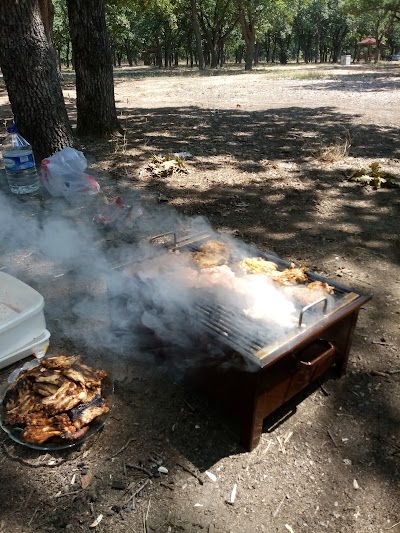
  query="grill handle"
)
[
  {"x": 164, "y": 235},
  {"x": 309, "y": 306},
  {"x": 326, "y": 354}
]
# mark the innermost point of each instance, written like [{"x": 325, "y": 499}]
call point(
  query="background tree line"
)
[{"x": 209, "y": 33}]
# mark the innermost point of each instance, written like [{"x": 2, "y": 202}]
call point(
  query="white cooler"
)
[{"x": 22, "y": 324}]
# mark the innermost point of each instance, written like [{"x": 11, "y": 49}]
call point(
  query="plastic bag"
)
[{"x": 63, "y": 174}]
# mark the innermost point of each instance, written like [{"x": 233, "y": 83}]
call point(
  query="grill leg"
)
[
  {"x": 344, "y": 340},
  {"x": 252, "y": 424}
]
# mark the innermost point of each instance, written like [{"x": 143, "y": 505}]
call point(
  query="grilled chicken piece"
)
[
  {"x": 290, "y": 276},
  {"x": 205, "y": 260},
  {"x": 315, "y": 285},
  {"x": 90, "y": 414},
  {"x": 86, "y": 376},
  {"x": 212, "y": 253},
  {"x": 257, "y": 265},
  {"x": 77, "y": 434},
  {"x": 215, "y": 247},
  {"x": 52, "y": 377},
  {"x": 26, "y": 404},
  {"x": 221, "y": 275},
  {"x": 41, "y": 428},
  {"x": 45, "y": 389},
  {"x": 301, "y": 295},
  {"x": 66, "y": 397},
  {"x": 83, "y": 414},
  {"x": 20, "y": 388},
  {"x": 60, "y": 361}
]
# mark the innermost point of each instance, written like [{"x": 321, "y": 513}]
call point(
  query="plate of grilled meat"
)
[{"x": 57, "y": 404}]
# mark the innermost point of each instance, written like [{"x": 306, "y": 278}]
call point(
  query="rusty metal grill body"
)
[{"x": 258, "y": 373}]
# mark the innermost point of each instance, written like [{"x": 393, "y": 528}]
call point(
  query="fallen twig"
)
[
  {"x": 384, "y": 373},
  {"x": 323, "y": 390},
  {"x": 279, "y": 507},
  {"x": 288, "y": 436},
  {"x": 33, "y": 516},
  {"x": 25, "y": 504},
  {"x": 189, "y": 471},
  {"x": 382, "y": 343},
  {"x": 268, "y": 446},
  {"x": 96, "y": 522},
  {"x": 141, "y": 468},
  {"x": 58, "y": 495},
  {"x": 281, "y": 446},
  {"x": 379, "y": 374},
  {"x": 147, "y": 516},
  {"x": 232, "y": 496},
  {"x": 166, "y": 485},
  {"x": 332, "y": 439},
  {"x": 123, "y": 448},
  {"x": 134, "y": 494},
  {"x": 394, "y": 525}
]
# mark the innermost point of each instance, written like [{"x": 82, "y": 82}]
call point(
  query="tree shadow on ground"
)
[
  {"x": 289, "y": 134},
  {"x": 260, "y": 203},
  {"x": 378, "y": 82}
]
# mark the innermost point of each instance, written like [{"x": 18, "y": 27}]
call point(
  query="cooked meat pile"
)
[
  {"x": 215, "y": 255},
  {"x": 58, "y": 398}
]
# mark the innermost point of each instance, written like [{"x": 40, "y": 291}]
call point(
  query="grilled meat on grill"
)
[
  {"x": 212, "y": 253},
  {"x": 257, "y": 265},
  {"x": 290, "y": 276},
  {"x": 305, "y": 295},
  {"x": 55, "y": 399},
  {"x": 317, "y": 285}
]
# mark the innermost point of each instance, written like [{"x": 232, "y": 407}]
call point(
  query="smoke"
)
[{"x": 110, "y": 295}]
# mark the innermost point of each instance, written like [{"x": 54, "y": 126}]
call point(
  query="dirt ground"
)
[{"x": 271, "y": 150}]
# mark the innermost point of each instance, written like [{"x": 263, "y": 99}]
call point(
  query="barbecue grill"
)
[{"x": 259, "y": 368}]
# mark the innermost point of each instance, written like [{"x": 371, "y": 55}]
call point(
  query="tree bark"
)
[
  {"x": 247, "y": 25},
  {"x": 95, "y": 103},
  {"x": 196, "y": 29},
  {"x": 47, "y": 15},
  {"x": 29, "y": 65}
]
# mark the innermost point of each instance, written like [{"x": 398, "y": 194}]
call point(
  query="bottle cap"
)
[{"x": 12, "y": 128}]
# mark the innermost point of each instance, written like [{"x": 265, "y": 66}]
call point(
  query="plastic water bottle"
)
[{"x": 19, "y": 163}]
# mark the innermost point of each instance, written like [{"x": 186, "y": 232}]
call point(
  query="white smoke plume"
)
[{"x": 112, "y": 295}]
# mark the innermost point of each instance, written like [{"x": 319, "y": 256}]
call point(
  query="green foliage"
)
[
  {"x": 374, "y": 177},
  {"x": 161, "y": 31}
]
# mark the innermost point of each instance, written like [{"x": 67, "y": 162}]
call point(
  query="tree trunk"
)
[
  {"x": 129, "y": 55},
  {"x": 214, "y": 58},
  {"x": 67, "y": 54},
  {"x": 95, "y": 102},
  {"x": 47, "y": 15},
  {"x": 249, "y": 55},
  {"x": 197, "y": 33},
  {"x": 249, "y": 34},
  {"x": 29, "y": 64},
  {"x": 317, "y": 58}
]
